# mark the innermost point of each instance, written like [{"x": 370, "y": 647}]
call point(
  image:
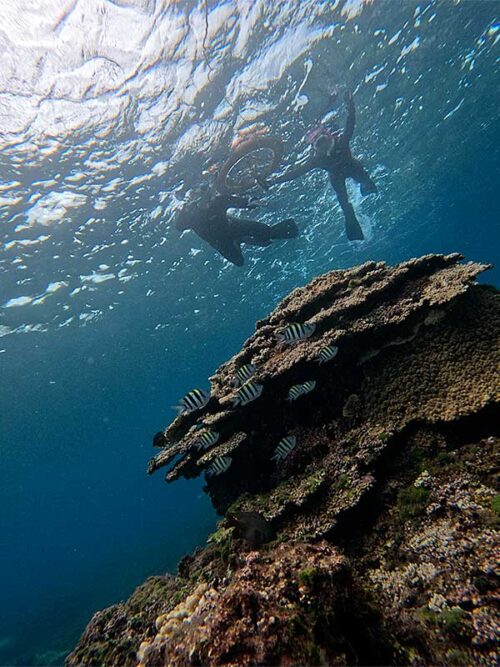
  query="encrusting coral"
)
[
  {"x": 259, "y": 610},
  {"x": 381, "y": 506}
]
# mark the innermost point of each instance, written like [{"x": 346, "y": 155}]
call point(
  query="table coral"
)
[{"x": 384, "y": 516}]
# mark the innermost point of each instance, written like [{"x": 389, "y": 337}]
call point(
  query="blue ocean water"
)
[{"x": 111, "y": 112}]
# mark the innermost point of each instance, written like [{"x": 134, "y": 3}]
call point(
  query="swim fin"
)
[
  {"x": 286, "y": 229},
  {"x": 230, "y": 250},
  {"x": 352, "y": 227}
]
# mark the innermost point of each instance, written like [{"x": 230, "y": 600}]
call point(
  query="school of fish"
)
[{"x": 248, "y": 390}]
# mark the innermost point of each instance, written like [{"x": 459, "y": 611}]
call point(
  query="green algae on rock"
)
[{"x": 384, "y": 515}]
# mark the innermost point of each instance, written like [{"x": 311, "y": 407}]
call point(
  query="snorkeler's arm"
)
[
  {"x": 293, "y": 173},
  {"x": 351, "y": 118}
]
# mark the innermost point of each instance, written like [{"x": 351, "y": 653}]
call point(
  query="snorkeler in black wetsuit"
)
[
  {"x": 224, "y": 233},
  {"x": 332, "y": 153}
]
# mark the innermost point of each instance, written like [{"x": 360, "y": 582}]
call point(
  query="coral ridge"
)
[{"x": 383, "y": 518}]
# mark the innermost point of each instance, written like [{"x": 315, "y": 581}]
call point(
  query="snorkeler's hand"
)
[{"x": 348, "y": 97}]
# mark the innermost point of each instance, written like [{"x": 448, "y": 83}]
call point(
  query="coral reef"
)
[
  {"x": 114, "y": 635},
  {"x": 269, "y": 609},
  {"x": 384, "y": 514}
]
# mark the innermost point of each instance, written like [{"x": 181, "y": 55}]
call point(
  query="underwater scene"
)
[{"x": 249, "y": 332}]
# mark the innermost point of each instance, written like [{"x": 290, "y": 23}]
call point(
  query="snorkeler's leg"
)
[
  {"x": 258, "y": 233},
  {"x": 359, "y": 173},
  {"x": 352, "y": 226},
  {"x": 286, "y": 229},
  {"x": 243, "y": 230}
]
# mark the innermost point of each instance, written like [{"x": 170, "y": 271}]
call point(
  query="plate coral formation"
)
[{"x": 360, "y": 512}]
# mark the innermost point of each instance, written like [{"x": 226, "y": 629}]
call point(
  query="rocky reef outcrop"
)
[{"x": 383, "y": 546}]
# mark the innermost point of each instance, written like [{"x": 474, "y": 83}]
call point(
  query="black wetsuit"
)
[
  {"x": 226, "y": 234},
  {"x": 340, "y": 164}
]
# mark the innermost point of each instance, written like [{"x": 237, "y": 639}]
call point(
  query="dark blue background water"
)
[{"x": 81, "y": 522}]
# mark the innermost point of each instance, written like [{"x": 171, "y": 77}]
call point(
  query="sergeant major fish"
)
[
  {"x": 247, "y": 393},
  {"x": 295, "y": 332},
  {"x": 206, "y": 439},
  {"x": 193, "y": 400},
  {"x": 219, "y": 465},
  {"x": 298, "y": 390},
  {"x": 327, "y": 354},
  {"x": 244, "y": 374},
  {"x": 284, "y": 448}
]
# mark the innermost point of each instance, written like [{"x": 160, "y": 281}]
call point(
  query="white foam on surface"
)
[
  {"x": 19, "y": 301},
  {"x": 54, "y": 208}
]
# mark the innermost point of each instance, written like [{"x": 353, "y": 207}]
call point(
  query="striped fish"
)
[
  {"x": 206, "y": 439},
  {"x": 295, "y": 332},
  {"x": 193, "y": 400},
  {"x": 327, "y": 354},
  {"x": 219, "y": 465},
  {"x": 284, "y": 448},
  {"x": 298, "y": 390},
  {"x": 244, "y": 374},
  {"x": 247, "y": 393}
]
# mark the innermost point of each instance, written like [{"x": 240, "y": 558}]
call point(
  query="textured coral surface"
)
[{"x": 385, "y": 514}]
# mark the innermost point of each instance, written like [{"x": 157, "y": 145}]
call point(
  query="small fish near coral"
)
[
  {"x": 298, "y": 390},
  {"x": 327, "y": 354},
  {"x": 244, "y": 374},
  {"x": 193, "y": 400},
  {"x": 295, "y": 332},
  {"x": 247, "y": 393},
  {"x": 206, "y": 439},
  {"x": 219, "y": 465},
  {"x": 284, "y": 448},
  {"x": 251, "y": 527}
]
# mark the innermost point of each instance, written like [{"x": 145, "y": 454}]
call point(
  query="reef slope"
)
[{"x": 384, "y": 516}]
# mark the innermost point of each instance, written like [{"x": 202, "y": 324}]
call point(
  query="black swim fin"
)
[
  {"x": 286, "y": 229},
  {"x": 353, "y": 228},
  {"x": 230, "y": 250}
]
